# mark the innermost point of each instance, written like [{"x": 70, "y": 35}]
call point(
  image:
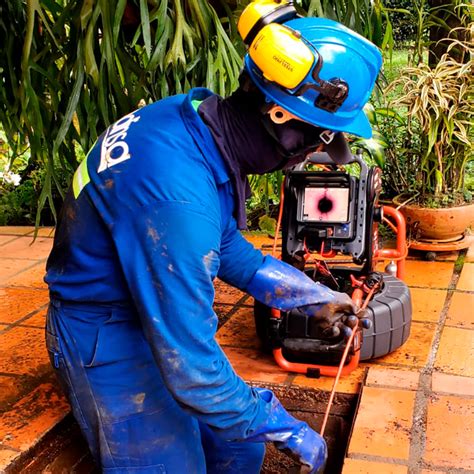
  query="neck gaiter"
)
[{"x": 236, "y": 125}]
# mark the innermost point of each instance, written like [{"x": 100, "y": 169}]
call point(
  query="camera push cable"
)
[{"x": 357, "y": 297}]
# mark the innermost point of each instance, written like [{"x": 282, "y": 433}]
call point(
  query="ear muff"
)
[
  {"x": 286, "y": 59},
  {"x": 257, "y": 14},
  {"x": 326, "y": 88},
  {"x": 281, "y": 55}
]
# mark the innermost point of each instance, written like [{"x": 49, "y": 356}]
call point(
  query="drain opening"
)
[
  {"x": 64, "y": 446},
  {"x": 309, "y": 405}
]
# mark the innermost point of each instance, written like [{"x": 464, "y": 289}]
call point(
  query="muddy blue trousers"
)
[{"x": 131, "y": 422}]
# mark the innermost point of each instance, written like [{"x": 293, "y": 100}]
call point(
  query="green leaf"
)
[
  {"x": 392, "y": 113},
  {"x": 72, "y": 103},
  {"x": 89, "y": 54},
  {"x": 439, "y": 181},
  {"x": 145, "y": 21},
  {"x": 119, "y": 11},
  {"x": 86, "y": 12},
  {"x": 161, "y": 45}
]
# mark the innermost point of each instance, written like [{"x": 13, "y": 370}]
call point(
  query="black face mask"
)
[
  {"x": 295, "y": 139},
  {"x": 250, "y": 143},
  {"x": 246, "y": 147}
]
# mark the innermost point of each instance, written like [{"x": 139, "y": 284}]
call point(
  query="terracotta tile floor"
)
[{"x": 416, "y": 410}]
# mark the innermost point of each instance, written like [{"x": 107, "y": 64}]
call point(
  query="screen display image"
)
[{"x": 326, "y": 205}]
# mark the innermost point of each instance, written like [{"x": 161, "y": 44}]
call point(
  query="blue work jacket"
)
[{"x": 148, "y": 223}]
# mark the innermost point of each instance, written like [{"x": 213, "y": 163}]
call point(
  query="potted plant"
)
[{"x": 432, "y": 115}]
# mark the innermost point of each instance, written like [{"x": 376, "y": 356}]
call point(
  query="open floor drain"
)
[
  {"x": 309, "y": 405},
  {"x": 64, "y": 449}
]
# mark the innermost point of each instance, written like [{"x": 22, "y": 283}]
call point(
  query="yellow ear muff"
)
[
  {"x": 281, "y": 55},
  {"x": 259, "y": 13}
]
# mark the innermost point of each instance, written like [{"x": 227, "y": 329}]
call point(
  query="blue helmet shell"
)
[{"x": 346, "y": 55}]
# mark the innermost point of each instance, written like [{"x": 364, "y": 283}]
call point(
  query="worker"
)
[{"x": 154, "y": 216}]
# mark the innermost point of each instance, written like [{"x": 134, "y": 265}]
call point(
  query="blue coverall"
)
[
  {"x": 146, "y": 228},
  {"x": 144, "y": 231}
]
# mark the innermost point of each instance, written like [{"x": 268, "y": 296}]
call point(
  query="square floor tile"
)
[
  {"x": 239, "y": 330},
  {"x": 383, "y": 423},
  {"x": 23, "y": 351},
  {"x": 461, "y": 310},
  {"x": 10, "y": 388},
  {"x": 32, "y": 417},
  {"x": 4, "y": 239},
  {"x": 449, "y": 433},
  {"x": 253, "y": 365},
  {"x": 452, "y": 384},
  {"x": 456, "y": 352},
  {"x": 359, "y": 466},
  {"x": 15, "y": 303},
  {"x": 415, "y": 351},
  {"x": 260, "y": 240},
  {"x": 25, "y": 247},
  {"x": 394, "y": 378},
  {"x": 32, "y": 277},
  {"x": 222, "y": 310},
  {"x": 470, "y": 252},
  {"x": 427, "y": 304},
  {"x": 428, "y": 274},
  {"x": 466, "y": 280},
  {"x": 45, "y": 232},
  {"x": 37, "y": 320},
  {"x": 226, "y": 294},
  {"x": 16, "y": 230},
  {"x": 9, "y": 267}
]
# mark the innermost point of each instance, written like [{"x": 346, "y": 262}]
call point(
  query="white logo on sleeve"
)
[{"x": 114, "y": 148}]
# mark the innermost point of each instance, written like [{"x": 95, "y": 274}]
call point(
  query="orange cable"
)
[
  {"x": 351, "y": 338},
  {"x": 280, "y": 216},
  {"x": 343, "y": 360},
  {"x": 390, "y": 224}
]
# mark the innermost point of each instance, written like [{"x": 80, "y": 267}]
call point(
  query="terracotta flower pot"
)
[{"x": 442, "y": 224}]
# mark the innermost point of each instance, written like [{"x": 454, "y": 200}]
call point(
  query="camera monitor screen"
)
[{"x": 326, "y": 205}]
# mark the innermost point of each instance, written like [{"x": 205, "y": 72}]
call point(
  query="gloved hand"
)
[
  {"x": 292, "y": 436},
  {"x": 340, "y": 316},
  {"x": 282, "y": 286}
]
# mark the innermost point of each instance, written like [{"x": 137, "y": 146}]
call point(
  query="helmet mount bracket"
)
[
  {"x": 332, "y": 93},
  {"x": 279, "y": 115}
]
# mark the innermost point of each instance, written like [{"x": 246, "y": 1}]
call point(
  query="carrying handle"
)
[{"x": 323, "y": 158}]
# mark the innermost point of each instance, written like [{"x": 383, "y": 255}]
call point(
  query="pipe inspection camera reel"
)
[{"x": 327, "y": 212}]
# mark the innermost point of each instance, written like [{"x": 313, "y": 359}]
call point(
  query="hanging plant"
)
[{"x": 70, "y": 68}]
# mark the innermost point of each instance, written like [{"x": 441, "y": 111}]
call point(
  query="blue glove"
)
[
  {"x": 292, "y": 436},
  {"x": 279, "y": 285}
]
